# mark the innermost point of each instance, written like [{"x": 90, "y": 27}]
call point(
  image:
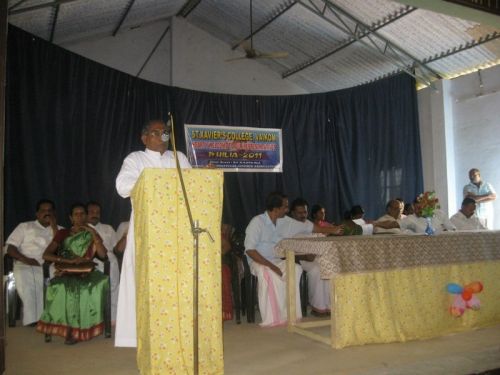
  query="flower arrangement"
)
[{"x": 428, "y": 203}]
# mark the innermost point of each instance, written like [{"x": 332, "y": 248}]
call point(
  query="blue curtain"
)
[{"x": 71, "y": 122}]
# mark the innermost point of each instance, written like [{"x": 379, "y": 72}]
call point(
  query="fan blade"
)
[
  {"x": 272, "y": 55},
  {"x": 236, "y": 58}
]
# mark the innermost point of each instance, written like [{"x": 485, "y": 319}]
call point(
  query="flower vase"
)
[{"x": 429, "y": 230}]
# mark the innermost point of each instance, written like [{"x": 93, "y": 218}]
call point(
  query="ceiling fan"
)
[{"x": 250, "y": 52}]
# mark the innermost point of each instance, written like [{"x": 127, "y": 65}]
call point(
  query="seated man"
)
[
  {"x": 417, "y": 223},
  {"x": 121, "y": 238},
  {"x": 121, "y": 242},
  {"x": 465, "y": 218},
  {"x": 318, "y": 288},
  {"x": 393, "y": 213},
  {"x": 263, "y": 232},
  {"x": 26, "y": 245},
  {"x": 402, "y": 207}
]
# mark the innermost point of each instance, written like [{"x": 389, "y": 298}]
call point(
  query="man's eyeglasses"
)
[{"x": 158, "y": 133}]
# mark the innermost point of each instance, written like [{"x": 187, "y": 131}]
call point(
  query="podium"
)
[{"x": 164, "y": 271}]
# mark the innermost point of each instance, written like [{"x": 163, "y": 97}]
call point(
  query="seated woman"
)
[
  {"x": 318, "y": 215},
  {"x": 76, "y": 296},
  {"x": 350, "y": 227}
]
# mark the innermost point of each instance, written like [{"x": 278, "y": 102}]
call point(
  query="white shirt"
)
[
  {"x": 462, "y": 222},
  {"x": 135, "y": 162},
  {"x": 386, "y": 217},
  {"x": 122, "y": 229},
  {"x": 483, "y": 209},
  {"x": 262, "y": 235},
  {"x": 31, "y": 239},
  {"x": 440, "y": 222},
  {"x": 107, "y": 234}
]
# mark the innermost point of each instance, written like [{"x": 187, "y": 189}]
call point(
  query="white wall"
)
[
  {"x": 460, "y": 130},
  {"x": 128, "y": 51},
  {"x": 195, "y": 60},
  {"x": 198, "y": 63}
]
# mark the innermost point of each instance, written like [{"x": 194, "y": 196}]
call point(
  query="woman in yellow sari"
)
[{"x": 76, "y": 295}]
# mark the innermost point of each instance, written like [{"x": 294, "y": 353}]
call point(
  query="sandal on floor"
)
[{"x": 70, "y": 341}]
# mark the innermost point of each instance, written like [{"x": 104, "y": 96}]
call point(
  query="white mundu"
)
[
  {"x": 108, "y": 236},
  {"x": 262, "y": 235},
  {"x": 132, "y": 167},
  {"x": 31, "y": 239},
  {"x": 318, "y": 288}
]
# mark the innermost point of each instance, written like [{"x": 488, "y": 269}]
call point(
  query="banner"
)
[{"x": 234, "y": 149}]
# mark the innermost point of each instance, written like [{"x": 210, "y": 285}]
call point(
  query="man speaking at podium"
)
[{"x": 155, "y": 136}]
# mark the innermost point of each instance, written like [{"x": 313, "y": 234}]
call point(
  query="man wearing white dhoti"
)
[
  {"x": 26, "y": 245},
  {"x": 263, "y": 232},
  {"x": 108, "y": 236},
  {"x": 318, "y": 288},
  {"x": 155, "y": 136}
]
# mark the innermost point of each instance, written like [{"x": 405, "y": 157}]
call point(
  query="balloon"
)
[
  {"x": 467, "y": 294},
  {"x": 475, "y": 287},
  {"x": 454, "y": 288},
  {"x": 458, "y": 306},
  {"x": 474, "y": 303},
  {"x": 456, "y": 311}
]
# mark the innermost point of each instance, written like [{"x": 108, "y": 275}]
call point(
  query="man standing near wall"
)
[{"x": 484, "y": 195}]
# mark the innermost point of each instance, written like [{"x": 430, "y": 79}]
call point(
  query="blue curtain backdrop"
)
[{"x": 71, "y": 122}]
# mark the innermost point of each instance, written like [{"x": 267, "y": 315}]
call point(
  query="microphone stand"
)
[{"x": 195, "y": 231}]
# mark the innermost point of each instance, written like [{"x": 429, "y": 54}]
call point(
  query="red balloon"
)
[
  {"x": 475, "y": 287},
  {"x": 467, "y": 294}
]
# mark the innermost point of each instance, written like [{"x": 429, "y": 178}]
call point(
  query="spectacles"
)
[{"x": 158, "y": 133}]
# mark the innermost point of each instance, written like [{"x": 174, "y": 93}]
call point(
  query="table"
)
[{"x": 388, "y": 288}]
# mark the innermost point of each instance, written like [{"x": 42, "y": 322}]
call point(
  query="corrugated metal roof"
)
[{"x": 331, "y": 44}]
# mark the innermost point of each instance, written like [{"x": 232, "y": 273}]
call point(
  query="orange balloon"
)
[
  {"x": 467, "y": 294},
  {"x": 475, "y": 287}
]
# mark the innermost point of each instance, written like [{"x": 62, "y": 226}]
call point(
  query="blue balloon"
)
[{"x": 454, "y": 288}]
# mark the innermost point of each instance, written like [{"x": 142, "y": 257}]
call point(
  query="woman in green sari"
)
[{"x": 76, "y": 296}]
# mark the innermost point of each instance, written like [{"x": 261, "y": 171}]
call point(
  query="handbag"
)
[{"x": 74, "y": 269}]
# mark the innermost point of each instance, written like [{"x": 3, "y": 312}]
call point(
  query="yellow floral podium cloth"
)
[
  {"x": 394, "y": 288},
  {"x": 164, "y": 271}
]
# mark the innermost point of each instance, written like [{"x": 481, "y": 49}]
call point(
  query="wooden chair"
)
[{"x": 107, "y": 306}]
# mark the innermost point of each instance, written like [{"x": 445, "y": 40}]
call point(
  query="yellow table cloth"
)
[
  {"x": 388, "y": 288},
  {"x": 164, "y": 271}
]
